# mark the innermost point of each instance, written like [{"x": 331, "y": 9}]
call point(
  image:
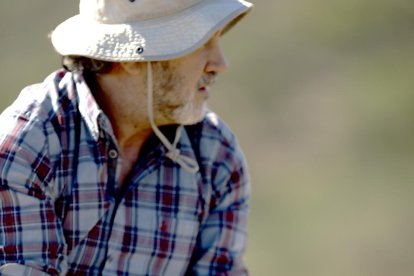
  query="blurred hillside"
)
[{"x": 321, "y": 96}]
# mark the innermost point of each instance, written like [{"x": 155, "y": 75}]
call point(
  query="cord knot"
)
[{"x": 173, "y": 154}]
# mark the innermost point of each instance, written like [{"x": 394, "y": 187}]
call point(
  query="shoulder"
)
[
  {"x": 215, "y": 143},
  {"x": 212, "y": 128},
  {"x": 29, "y": 140},
  {"x": 41, "y": 101},
  {"x": 32, "y": 119}
]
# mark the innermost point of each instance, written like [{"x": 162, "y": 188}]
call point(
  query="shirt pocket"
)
[{"x": 162, "y": 244}]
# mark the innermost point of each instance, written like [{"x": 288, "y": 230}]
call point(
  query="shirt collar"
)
[{"x": 93, "y": 115}]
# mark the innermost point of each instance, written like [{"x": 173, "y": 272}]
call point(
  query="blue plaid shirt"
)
[{"x": 61, "y": 210}]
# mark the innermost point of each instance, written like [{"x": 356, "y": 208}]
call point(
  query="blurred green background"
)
[{"x": 320, "y": 94}]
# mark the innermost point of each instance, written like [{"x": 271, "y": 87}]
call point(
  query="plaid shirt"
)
[{"x": 61, "y": 210}]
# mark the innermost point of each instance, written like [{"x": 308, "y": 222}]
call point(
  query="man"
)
[{"x": 113, "y": 165}]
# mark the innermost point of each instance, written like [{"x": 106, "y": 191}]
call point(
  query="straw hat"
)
[{"x": 143, "y": 30}]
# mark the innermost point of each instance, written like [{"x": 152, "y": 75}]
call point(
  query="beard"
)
[
  {"x": 174, "y": 102},
  {"x": 189, "y": 114}
]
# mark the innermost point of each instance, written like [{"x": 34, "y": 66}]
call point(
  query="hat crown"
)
[{"x": 122, "y": 11}]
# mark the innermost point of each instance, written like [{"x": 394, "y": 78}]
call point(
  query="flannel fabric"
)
[{"x": 61, "y": 210}]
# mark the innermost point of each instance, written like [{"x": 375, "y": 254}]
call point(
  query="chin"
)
[{"x": 190, "y": 117}]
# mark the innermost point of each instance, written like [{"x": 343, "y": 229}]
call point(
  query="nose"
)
[{"x": 217, "y": 62}]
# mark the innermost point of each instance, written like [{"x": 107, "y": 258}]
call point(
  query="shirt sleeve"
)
[
  {"x": 30, "y": 231},
  {"x": 222, "y": 239}
]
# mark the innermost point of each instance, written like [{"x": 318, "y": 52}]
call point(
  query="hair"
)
[{"x": 86, "y": 65}]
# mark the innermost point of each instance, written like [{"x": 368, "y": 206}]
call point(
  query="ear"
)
[{"x": 133, "y": 68}]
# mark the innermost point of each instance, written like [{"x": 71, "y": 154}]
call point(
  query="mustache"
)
[{"x": 207, "y": 80}]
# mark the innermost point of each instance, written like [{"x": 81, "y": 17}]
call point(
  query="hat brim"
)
[{"x": 164, "y": 38}]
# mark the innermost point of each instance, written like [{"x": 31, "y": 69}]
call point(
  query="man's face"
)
[{"x": 181, "y": 86}]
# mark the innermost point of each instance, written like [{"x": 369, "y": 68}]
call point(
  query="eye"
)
[{"x": 213, "y": 40}]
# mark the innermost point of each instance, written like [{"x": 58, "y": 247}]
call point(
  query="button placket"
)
[{"x": 112, "y": 171}]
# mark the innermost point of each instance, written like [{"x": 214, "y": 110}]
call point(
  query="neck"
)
[{"x": 124, "y": 102}]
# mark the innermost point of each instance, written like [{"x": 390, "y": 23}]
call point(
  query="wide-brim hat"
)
[{"x": 144, "y": 30}]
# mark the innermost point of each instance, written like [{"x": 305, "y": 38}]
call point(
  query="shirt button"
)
[
  {"x": 113, "y": 154},
  {"x": 109, "y": 259}
]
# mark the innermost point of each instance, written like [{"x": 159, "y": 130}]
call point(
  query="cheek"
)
[
  {"x": 176, "y": 84},
  {"x": 181, "y": 89},
  {"x": 189, "y": 74}
]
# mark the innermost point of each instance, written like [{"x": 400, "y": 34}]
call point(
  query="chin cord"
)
[{"x": 173, "y": 153}]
